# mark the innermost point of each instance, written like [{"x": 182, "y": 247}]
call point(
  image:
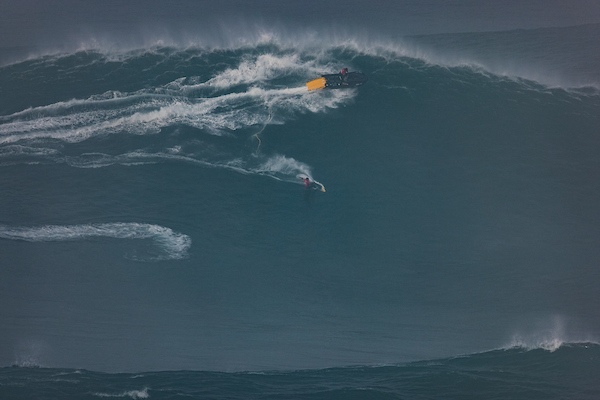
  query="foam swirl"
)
[{"x": 173, "y": 245}]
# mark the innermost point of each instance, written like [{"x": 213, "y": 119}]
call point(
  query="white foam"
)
[
  {"x": 20, "y": 150},
  {"x": 147, "y": 114},
  {"x": 278, "y": 166},
  {"x": 140, "y": 157},
  {"x": 238, "y": 97},
  {"x": 265, "y": 66},
  {"x": 319, "y": 43},
  {"x": 29, "y": 353},
  {"x": 147, "y": 111},
  {"x": 549, "y": 344},
  {"x": 549, "y": 335},
  {"x": 281, "y": 165},
  {"x": 134, "y": 394},
  {"x": 173, "y": 244},
  {"x": 27, "y": 362}
]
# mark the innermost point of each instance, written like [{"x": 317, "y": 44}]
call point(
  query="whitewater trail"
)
[
  {"x": 237, "y": 98},
  {"x": 173, "y": 245}
]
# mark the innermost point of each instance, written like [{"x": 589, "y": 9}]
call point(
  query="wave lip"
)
[
  {"x": 173, "y": 245},
  {"x": 548, "y": 344}
]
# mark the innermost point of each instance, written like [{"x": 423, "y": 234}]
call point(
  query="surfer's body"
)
[{"x": 309, "y": 183}]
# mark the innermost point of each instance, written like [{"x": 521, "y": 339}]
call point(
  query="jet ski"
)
[{"x": 338, "y": 81}]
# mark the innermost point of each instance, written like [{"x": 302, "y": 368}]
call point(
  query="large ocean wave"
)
[
  {"x": 202, "y": 105},
  {"x": 238, "y": 96}
]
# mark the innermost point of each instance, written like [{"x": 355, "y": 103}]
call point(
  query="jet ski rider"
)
[{"x": 343, "y": 73}]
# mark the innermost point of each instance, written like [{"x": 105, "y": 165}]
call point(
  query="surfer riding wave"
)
[{"x": 310, "y": 183}]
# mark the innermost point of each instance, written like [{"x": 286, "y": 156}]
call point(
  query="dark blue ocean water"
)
[
  {"x": 567, "y": 373},
  {"x": 151, "y": 217}
]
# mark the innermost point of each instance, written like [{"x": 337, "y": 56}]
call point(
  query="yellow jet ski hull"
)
[{"x": 318, "y": 83}]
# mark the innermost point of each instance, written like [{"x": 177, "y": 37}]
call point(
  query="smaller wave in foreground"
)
[
  {"x": 133, "y": 394},
  {"x": 173, "y": 245},
  {"x": 568, "y": 373}
]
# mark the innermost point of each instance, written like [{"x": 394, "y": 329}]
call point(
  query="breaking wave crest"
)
[{"x": 194, "y": 104}]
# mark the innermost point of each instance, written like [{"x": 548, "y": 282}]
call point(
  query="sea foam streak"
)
[
  {"x": 174, "y": 245},
  {"x": 223, "y": 101},
  {"x": 182, "y": 101},
  {"x": 149, "y": 113},
  {"x": 279, "y": 167}
]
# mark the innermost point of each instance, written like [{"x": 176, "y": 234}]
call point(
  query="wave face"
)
[
  {"x": 500, "y": 374},
  {"x": 460, "y": 213},
  {"x": 227, "y": 96}
]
